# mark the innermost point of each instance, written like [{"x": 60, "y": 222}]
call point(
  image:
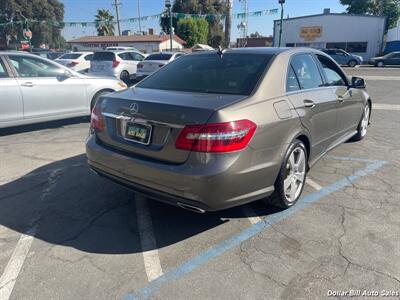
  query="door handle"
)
[
  {"x": 28, "y": 84},
  {"x": 309, "y": 103}
]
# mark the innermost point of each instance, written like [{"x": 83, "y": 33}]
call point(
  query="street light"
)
[
  {"x": 168, "y": 6},
  {"x": 281, "y": 2}
]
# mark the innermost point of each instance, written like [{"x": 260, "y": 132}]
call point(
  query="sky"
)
[{"x": 85, "y": 10}]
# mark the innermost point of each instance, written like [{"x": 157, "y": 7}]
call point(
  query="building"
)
[
  {"x": 358, "y": 34},
  {"x": 144, "y": 43},
  {"x": 393, "y": 39},
  {"x": 254, "y": 42}
]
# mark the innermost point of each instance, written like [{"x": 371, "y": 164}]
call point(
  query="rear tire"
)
[
  {"x": 291, "y": 178},
  {"x": 97, "y": 96},
  {"x": 363, "y": 125},
  {"x": 352, "y": 63},
  {"x": 124, "y": 76}
]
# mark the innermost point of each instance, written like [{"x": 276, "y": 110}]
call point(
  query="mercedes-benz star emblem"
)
[{"x": 134, "y": 107}]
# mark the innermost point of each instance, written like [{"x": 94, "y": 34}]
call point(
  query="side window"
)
[
  {"x": 292, "y": 83},
  {"x": 89, "y": 57},
  {"x": 306, "y": 71},
  {"x": 3, "y": 71},
  {"x": 136, "y": 56},
  {"x": 27, "y": 66},
  {"x": 333, "y": 74},
  {"x": 124, "y": 56}
]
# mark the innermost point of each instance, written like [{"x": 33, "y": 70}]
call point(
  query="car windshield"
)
[
  {"x": 104, "y": 56},
  {"x": 70, "y": 56},
  {"x": 210, "y": 73},
  {"x": 159, "y": 56}
]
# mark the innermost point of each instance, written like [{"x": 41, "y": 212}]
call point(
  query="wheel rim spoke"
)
[{"x": 294, "y": 181}]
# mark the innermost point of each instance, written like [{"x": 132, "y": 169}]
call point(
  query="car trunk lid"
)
[{"x": 163, "y": 113}]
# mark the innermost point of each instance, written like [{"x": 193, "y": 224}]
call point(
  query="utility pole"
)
[
  {"x": 168, "y": 6},
  {"x": 140, "y": 22},
  {"x": 281, "y": 2},
  {"x": 117, "y": 4},
  {"x": 228, "y": 22}
]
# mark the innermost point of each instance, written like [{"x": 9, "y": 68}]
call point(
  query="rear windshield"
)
[
  {"x": 232, "y": 73},
  {"x": 104, "y": 56},
  {"x": 70, "y": 56},
  {"x": 159, "y": 56}
]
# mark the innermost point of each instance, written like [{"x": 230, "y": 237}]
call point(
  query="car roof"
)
[{"x": 262, "y": 50}]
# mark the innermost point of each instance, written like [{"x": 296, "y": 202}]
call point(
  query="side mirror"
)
[{"x": 358, "y": 83}]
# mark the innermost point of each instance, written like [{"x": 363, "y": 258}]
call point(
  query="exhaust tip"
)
[{"x": 191, "y": 208}]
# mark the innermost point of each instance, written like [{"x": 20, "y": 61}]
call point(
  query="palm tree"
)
[{"x": 104, "y": 22}]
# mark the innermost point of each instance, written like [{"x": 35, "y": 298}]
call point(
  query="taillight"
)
[
  {"x": 115, "y": 63},
  {"x": 96, "y": 118},
  {"x": 139, "y": 66},
  {"x": 218, "y": 137},
  {"x": 72, "y": 63}
]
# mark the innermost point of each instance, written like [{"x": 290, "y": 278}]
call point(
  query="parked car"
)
[
  {"x": 35, "y": 89},
  {"x": 117, "y": 48},
  {"x": 77, "y": 61},
  {"x": 119, "y": 64},
  {"x": 392, "y": 58},
  {"x": 55, "y": 54},
  {"x": 344, "y": 58},
  {"x": 216, "y": 129},
  {"x": 155, "y": 61}
]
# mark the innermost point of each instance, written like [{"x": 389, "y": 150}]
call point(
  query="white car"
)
[
  {"x": 118, "y": 64},
  {"x": 35, "y": 89},
  {"x": 77, "y": 61},
  {"x": 117, "y": 48},
  {"x": 154, "y": 62}
]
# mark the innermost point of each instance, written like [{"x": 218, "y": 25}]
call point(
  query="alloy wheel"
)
[
  {"x": 365, "y": 121},
  {"x": 295, "y": 174}
]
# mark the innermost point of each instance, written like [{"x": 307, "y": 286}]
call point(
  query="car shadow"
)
[
  {"x": 44, "y": 125},
  {"x": 71, "y": 206}
]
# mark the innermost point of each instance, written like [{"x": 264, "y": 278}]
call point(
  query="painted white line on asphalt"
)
[
  {"x": 313, "y": 184},
  {"x": 148, "y": 242},
  {"x": 379, "y": 106},
  {"x": 14, "y": 266},
  {"x": 391, "y": 78},
  {"x": 250, "y": 214}
]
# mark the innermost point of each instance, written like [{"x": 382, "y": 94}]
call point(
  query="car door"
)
[
  {"x": 46, "y": 90},
  {"x": 341, "y": 57},
  {"x": 135, "y": 58},
  {"x": 315, "y": 104},
  {"x": 396, "y": 59},
  {"x": 349, "y": 101},
  {"x": 11, "y": 105}
]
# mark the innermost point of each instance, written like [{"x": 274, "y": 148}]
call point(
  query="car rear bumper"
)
[{"x": 207, "y": 182}]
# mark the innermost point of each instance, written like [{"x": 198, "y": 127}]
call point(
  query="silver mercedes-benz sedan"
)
[
  {"x": 34, "y": 89},
  {"x": 217, "y": 129}
]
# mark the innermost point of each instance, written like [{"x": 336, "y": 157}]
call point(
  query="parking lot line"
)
[
  {"x": 313, "y": 184},
  {"x": 14, "y": 266},
  {"x": 381, "y": 106},
  {"x": 391, "y": 78},
  {"x": 215, "y": 251},
  {"x": 147, "y": 240}
]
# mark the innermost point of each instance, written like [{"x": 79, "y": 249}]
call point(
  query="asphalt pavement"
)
[{"x": 66, "y": 233}]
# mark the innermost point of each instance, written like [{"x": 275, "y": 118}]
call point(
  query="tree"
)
[
  {"x": 255, "y": 35},
  {"x": 104, "y": 22},
  {"x": 384, "y": 8},
  {"x": 202, "y": 7},
  {"x": 48, "y": 12},
  {"x": 193, "y": 31}
]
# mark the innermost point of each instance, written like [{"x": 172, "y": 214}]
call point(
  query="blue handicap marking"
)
[{"x": 215, "y": 251}]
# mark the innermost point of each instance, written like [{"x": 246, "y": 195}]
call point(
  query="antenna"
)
[{"x": 244, "y": 25}]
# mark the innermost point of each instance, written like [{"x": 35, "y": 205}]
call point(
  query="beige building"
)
[{"x": 144, "y": 43}]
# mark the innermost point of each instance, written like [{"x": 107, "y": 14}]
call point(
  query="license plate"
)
[{"x": 138, "y": 133}]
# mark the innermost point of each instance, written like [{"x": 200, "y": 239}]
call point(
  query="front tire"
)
[
  {"x": 363, "y": 125},
  {"x": 352, "y": 63},
  {"x": 380, "y": 64},
  {"x": 124, "y": 76},
  {"x": 291, "y": 178}
]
